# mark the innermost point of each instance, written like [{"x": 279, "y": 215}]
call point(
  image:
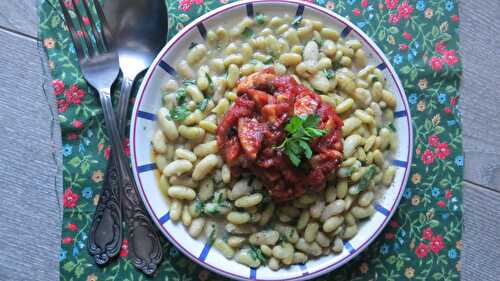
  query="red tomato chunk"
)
[{"x": 254, "y": 127}]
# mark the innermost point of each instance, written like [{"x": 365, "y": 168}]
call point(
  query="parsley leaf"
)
[
  {"x": 179, "y": 113},
  {"x": 203, "y": 104},
  {"x": 189, "y": 82},
  {"x": 392, "y": 127},
  {"x": 300, "y": 131},
  {"x": 367, "y": 177},
  {"x": 260, "y": 19},
  {"x": 328, "y": 73},
  {"x": 210, "y": 82},
  {"x": 257, "y": 254},
  {"x": 180, "y": 95},
  {"x": 247, "y": 33}
]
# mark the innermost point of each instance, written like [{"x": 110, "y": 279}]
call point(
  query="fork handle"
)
[{"x": 144, "y": 245}]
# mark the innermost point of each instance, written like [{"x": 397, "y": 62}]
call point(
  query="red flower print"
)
[
  {"x": 72, "y": 227},
  {"x": 198, "y": 2},
  {"x": 107, "y": 151},
  {"x": 72, "y": 136},
  {"x": 437, "y": 243},
  {"x": 391, "y": 4},
  {"x": 448, "y": 194},
  {"x": 203, "y": 275},
  {"x": 69, "y": 4},
  {"x": 440, "y": 47},
  {"x": 70, "y": 199},
  {"x": 124, "y": 248},
  {"x": 356, "y": 12},
  {"x": 85, "y": 20},
  {"x": 441, "y": 203},
  {"x": 126, "y": 147},
  {"x": 364, "y": 3},
  {"x": 407, "y": 36},
  {"x": 389, "y": 236},
  {"x": 58, "y": 87},
  {"x": 434, "y": 140},
  {"x": 77, "y": 124},
  {"x": 403, "y": 47},
  {"x": 427, "y": 233},
  {"x": 67, "y": 240},
  {"x": 62, "y": 106},
  {"x": 405, "y": 10},
  {"x": 450, "y": 57},
  {"x": 447, "y": 110},
  {"x": 427, "y": 157},
  {"x": 394, "y": 18},
  {"x": 442, "y": 150},
  {"x": 455, "y": 18},
  {"x": 453, "y": 101},
  {"x": 185, "y": 5},
  {"x": 74, "y": 95},
  {"x": 436, "y": 63},
  {"x": 394, "y": 224},
  {"x": 422, "y": 250}
]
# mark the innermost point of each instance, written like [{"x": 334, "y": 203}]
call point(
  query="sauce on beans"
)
[{"x": 252, "y": 130}]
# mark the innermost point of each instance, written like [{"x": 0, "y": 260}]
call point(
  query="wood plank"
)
[
  {"x": 20, "y": 16},
  {"x": 479, "y": 92},
  {"x": 481, "y": 237},
  {"x": 31, "y": 184}
]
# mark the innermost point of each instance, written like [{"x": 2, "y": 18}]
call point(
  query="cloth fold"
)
[{"x": 422, "y": 241}]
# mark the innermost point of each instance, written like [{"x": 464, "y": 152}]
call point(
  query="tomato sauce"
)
[{"x": 253, "y": 128}]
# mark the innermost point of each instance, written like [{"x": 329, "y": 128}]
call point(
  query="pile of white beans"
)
[{"x": 235, "y": 214}]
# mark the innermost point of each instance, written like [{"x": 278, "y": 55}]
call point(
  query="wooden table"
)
[{"x": 30, "y": 158}]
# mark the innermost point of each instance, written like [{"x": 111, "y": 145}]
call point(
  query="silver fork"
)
[{"x": 100, "y": 67}]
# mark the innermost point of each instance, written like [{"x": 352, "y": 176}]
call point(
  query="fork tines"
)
[{"x": 95, "y": 42}]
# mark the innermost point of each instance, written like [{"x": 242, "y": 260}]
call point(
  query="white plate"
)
[{"x": 143, "y": 126}]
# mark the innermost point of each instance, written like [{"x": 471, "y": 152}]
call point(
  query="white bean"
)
[
  {"x": 178, "y": 167},
  {"x": 206, "y": 189},
  {"x": 311, "y": 231},
  {"x": 303, "y": 220},
  {"x": 181, "y": 192},
  {"x": 185, "y": 70},
  {"x": 332, "y": 223},
  {"x": 191, "y": 133},
  {"x": 186, "y": 216},
  {"x": 236, "y": 241},
  {"x": 389, "y": 175},
  {"x": 167, "y": 126},
  {"x": 196, "y": 54},
  {"x": 266, "y": 237},
  {"x": 159, "y": 142},
  {"x": 266, "y": 215},
  {"x": 205, "y": 167},
  {"x": 186, "y": 154},
  {"x": 332, "y": 209},
  {"x": 317, "y": 209},
  {"x": 311, "y": 51},
  {"x": 224, "y": 248},
  {"x": 312, "y": 249},
  {"x": 350, "y": 231},
  {"x": 240, "y": 188},
  {"x": 238, "y": 217},
  {"x": 175, "y": 210},
  {"x": 196, "y": 227},
  {"x": 351, "y": 143},
  {"x": 338, "y": 245},
  {"x": 322, "y": 239},
  {"x": 244, "y": 257},
  {"x": 205, "y": 149},
  {"x": 249, "y": 200},
  {"x": 289, "y": 59}
]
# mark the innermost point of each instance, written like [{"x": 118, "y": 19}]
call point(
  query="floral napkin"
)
[{"x": 422, "y": 241}]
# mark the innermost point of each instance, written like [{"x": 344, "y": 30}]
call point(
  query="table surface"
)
[{"x": 30, "y": 158}]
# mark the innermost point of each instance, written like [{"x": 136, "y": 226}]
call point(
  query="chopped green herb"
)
[
  {"x": 179, "y": 113},
  {"x": 180, "y": 95},
  {"x": 254, "y": 61},
  {"x": 210, "y": 82},
  {"x": 269, "y": 60},
  {"x": 296, "y": 22},
  {"x": 300, "y": 131},
  {"x": 211, "y": 237},
  {"x": 203, "y": 104},
  {"x": 367, "y": 177},
  {"x": 319, "y": 91},
  {"x": 199, "y": 207},
  {"x": 192, "y": 45},
  {"x": 329, "y": 73},
  {"x": 260, "y": 19},
  {"x": 247, "y": 33},
  {"x": 320, "y": 42},
  {"x": 257, "y": 254},
  {"x": 392, "y": 127}
]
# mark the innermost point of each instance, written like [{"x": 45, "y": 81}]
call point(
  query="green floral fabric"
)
[{"x": 422, "y": 241}]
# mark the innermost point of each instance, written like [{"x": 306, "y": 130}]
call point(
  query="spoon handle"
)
[{"x": 144, "y": 245}]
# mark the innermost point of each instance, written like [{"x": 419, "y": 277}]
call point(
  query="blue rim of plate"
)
[{"x": 160, "y": 220}]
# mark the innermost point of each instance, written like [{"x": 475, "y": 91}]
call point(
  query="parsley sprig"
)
[{"x": 301, "y": 130}]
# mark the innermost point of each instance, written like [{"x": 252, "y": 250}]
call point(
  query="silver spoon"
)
[{"x": 140, "y": 30}]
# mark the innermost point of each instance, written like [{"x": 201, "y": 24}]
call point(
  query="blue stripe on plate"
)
[
  {"x": 346, "y": 31},
  {"x": 253, "y": 273},
  {"x": 146, "y": 115},
  {"x": 170, "y": 70},
  {"x": 349, "y": 247},
  {"x": 300, "y": 11},
  {"x": 204, "y": 252},
  {"x": 381, "y": 209},
  {"x": 163, "y": 219},
  {"x": 399, "y": 163},
  {"x": 382, "y": 66},
  {"x": 399, "y": 114},
  {"x": 146, "y": 167},
  {"x": 303, "y": 268},
  {"x": 250, "y": 10},
  {"x": 202, "y": 30}
]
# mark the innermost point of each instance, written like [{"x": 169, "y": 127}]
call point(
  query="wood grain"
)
[
  {"x": 480, "y": 47},
  {"x": 481, "y": 236},
  {"x": 30, "y": 216},
  {"x": 19, "y": 16}
]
